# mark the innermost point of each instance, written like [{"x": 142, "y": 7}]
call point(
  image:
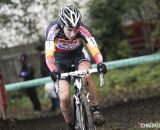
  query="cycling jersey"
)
[{"x": 56, "y": 41}]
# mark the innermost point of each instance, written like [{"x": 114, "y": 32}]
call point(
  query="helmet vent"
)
[{"x": 70, "y": 16}]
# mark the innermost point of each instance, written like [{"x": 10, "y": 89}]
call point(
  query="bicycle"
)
[{"x": 82, "y": 113}]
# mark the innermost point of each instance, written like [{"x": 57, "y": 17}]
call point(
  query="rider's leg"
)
[
  {"x": 98, "y": 118},
  {"x": 64, "y": 96},
  {"x": 91, "y": 86}
]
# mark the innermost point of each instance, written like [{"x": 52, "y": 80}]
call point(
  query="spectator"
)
[
  {"x": 27, "y": 73},
  {"x": 49, "y": 87},
  {"x": 3, "y": 98}
]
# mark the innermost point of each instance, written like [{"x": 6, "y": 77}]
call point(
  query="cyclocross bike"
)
[{"x": 82, "y": 114}]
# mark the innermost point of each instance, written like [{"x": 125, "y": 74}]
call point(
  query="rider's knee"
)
[
  {"x": 64, "y": 101},
  {"x": 88, "y": 78},
  {"x": 84, "y": 65}
]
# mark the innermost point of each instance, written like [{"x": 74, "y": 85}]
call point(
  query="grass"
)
[{"x": 20, "y": 99}]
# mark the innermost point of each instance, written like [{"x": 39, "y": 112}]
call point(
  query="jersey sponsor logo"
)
[
  {"x": 100, "y": 57},
  {"x": 67, "y": 41},
  {"x": 49, "y": 45},
  {"x": 52, "y": 33},
  {"x": 92, "y": 42},
  {"x": 84, "y": 32},
  {"x": 85, "y": 53},
  {"x": 68, "y": 44}
]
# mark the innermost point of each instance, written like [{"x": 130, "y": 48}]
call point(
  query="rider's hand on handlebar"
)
[
  {"x": 101, "y": 68},
  {"x": 55, "y": 76}
]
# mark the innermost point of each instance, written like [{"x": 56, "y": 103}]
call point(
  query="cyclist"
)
[{"x": 64, "y": 46}]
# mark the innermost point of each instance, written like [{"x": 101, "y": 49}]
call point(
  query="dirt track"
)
[{"x": 126, "y": 115}]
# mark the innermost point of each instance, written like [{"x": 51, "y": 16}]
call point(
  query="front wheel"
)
[{"x": 83, "y": 120}]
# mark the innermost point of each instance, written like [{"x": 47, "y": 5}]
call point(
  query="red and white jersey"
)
[{"x": 56, "y": 41}]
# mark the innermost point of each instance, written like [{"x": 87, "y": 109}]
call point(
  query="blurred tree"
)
[
  {"x": 108, "y": 17},
  {"x": 141, "y": 10},
  {"x": 5, "y": 1},
  {"x": 106, "y": 23},
  {"x": 146, "y": 11},
  {"x": 25, "y": 21},
  {"x": 156, "y": 33},
  {"x": 3, "y": 19}
]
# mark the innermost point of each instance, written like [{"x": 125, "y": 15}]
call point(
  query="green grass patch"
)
[{"x": 21, "y": 100}]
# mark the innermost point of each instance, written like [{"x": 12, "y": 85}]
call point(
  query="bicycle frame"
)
[{"x": 83, "y": 117}]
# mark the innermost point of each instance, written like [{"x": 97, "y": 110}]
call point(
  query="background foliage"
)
[{"x": 108, "y": 18}]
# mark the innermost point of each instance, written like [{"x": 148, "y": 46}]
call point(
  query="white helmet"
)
[{"x": 70, "y": 16}]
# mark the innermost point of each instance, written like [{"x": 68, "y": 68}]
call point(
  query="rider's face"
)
[{"x": 70, "y": 32}]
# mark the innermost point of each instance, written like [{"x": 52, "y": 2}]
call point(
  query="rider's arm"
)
[
  {"x": 49, "y": 54},
  {"x": 91, "y": 45},
  {"x": 50, "y": 46}
]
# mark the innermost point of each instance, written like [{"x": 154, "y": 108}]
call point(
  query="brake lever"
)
[{"x": 101, "y": 76}]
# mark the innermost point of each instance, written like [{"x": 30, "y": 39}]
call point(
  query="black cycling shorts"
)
[{"x": 64, "y": 60}]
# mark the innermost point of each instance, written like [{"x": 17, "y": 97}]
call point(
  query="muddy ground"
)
[{"x": 123, "y": 115}]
